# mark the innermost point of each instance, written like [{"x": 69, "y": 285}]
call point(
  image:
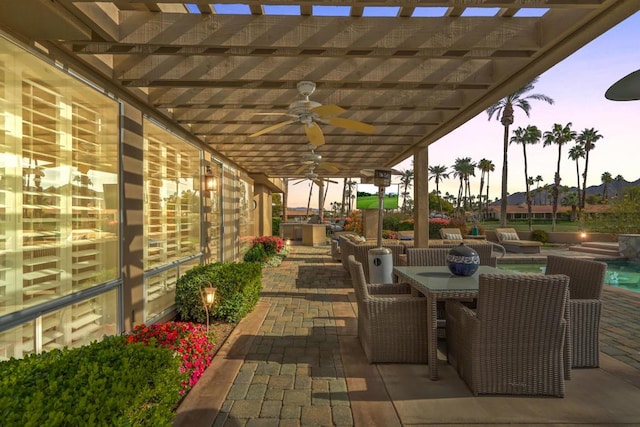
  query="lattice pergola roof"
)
[{"x": 415, "y": 77}]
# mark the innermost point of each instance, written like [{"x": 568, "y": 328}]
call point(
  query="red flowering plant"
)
[
  {"x": 435, "y": 224},
  {"x": 272, "y": 245},
  {"x": 353, "y": 222},
  {"x": 189, "y": 341}
]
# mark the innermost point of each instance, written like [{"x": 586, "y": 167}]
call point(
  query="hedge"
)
[{"x": 238, "y": 287}]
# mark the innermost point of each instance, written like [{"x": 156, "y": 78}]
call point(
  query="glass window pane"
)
[
  {"x": 17, "y": 342},
  {"x": 59, "y": 145},
  {"x": 73, "y": 326},
  {"x": 172, "y": 197},
  {"x": 160, "y": 293}
]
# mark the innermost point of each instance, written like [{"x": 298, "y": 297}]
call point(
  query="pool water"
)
[{"x": 622, "y": 274}]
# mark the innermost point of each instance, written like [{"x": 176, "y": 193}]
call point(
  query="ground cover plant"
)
[
  {"x": 110, "y": 382},
  {"x": 136, "y": 379}
]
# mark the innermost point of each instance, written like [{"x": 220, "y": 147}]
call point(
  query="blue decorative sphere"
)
[{"x": 463, "y": 261}]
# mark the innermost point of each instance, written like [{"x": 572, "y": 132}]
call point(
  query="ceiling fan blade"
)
[
  {"x": 326, "y": 111},
  {"x": 329, "y": 167},
  {"x": 352, "y": 125},
  {"x": 302, "y": 169},
  {"x": 272, "y": 127},
  {"x": 329, "y": 180},
  {"x": 315, "y": 135}
]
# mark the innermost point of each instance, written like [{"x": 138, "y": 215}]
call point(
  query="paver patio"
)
[{"x": 296, "y": 360}]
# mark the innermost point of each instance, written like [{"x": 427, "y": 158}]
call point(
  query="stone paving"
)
[{"x": 293, "y": 374}]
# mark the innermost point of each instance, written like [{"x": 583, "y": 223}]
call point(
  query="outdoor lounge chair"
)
[
  {"x": 451, "y": 234},
  {"x": 586, "y": 279},
  {"x": 514, "y": 342},
  {"x": 509, "y": 239},
  {"x": 391, "y": 328}
]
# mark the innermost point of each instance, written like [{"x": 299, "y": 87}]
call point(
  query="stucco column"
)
[
  {"x": 262, "y": 214},
  {"x": 133, "y": 229},
  {"x": 421, "y": 197},
  {"x": 321, "y": 200}
]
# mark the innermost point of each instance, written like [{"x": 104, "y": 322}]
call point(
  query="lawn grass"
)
[{"x": 564, "y": 226}]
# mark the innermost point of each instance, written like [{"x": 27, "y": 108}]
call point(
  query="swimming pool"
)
[{"x": 621, "y": 273}]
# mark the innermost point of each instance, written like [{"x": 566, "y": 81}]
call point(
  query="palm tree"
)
[
  {"x": 606, "y": 179},
  {"x": 438, "y": 173},
  {"x": 538, "y": 180},
  {"x": 505, "y": 108},
  {"x": 485, "y": 167},
  {"x": 571, "y": 199},
  {"x": 587, "y": 138},
  {"x": 619, "y": 179},
  {"x": 529, "y": 135},
  {"x": 576, "y": 153},
  {"x": 558, "y": 135},
  {"x": 406, "y": 179},
  {"x": 463, "y": 169}
]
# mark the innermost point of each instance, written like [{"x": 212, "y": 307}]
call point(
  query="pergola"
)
[{"x": 416, "y": 73}]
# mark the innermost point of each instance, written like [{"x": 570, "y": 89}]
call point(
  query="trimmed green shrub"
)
[
  {"x": 188, "y": 298},
  {"x": 255, "y": 254},
  {"x": 105, "y": 383},
  {"x": 238, "y": 291},
  {"x": 540, "y": 236},
  {"x": 275, "y": 225}
]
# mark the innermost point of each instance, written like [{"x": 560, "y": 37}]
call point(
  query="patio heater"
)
[{"x": 381, "y": 259}]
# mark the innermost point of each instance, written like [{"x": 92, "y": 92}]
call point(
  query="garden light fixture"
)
[{"x": 208, "y": 296}]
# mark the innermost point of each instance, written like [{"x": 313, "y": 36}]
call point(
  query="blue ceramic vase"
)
[{"x": 462, "y": 260}]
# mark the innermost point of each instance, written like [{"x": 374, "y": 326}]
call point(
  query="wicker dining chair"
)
[
  {"x": 586, "y": 280},
  {"x": 427, "y": 256},
  {"x": 513, "y": 342},
  {"x": 391, "y": 328}
]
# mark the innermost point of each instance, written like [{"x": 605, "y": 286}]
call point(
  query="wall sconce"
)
[
  {"x": 582, "y": 234},
  {"x": 209, "y": 179},
  {"x": 288, "y": 242},
  {"x": 208, "y": 295}
]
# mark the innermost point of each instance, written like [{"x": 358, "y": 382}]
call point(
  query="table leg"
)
[{"x": 432, "y": 336}]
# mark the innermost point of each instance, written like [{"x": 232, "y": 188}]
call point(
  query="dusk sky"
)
[{"x": 577, "y": 85}]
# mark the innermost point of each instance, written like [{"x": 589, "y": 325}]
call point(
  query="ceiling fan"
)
[
  {"x": 310, "y": 113},
  {"x": 314, "y": 160},
  {"x": 315, "y": 178}
]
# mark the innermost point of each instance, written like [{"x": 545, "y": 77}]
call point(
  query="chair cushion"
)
[
  {"x": 509, "y": 236},
  {"x": 452, "y": 236}
]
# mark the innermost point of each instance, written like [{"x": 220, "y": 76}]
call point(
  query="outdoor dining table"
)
[{"x": 438, "y": 284}]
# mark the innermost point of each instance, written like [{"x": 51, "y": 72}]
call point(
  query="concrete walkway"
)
[{"x": 296, "y": 360}]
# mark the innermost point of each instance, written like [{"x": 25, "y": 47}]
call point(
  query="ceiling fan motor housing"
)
[
  {"x": 302, "y": 108},
  {"x": 306, "y": 88},
  {"x": 311, "y": 158}
]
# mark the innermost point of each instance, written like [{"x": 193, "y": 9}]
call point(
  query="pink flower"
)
[{"x": 189, "y": 340}]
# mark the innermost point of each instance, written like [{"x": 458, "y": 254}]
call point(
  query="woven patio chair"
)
[
  {"x": 513, "y": 343},
  {"x": 432, "y": 257},
  {"x": 586, "y": 279},
  {"x": 427, "y": 256},
  {"x": 484, "y": 250},
  {"x": 391, "y": 328}
]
